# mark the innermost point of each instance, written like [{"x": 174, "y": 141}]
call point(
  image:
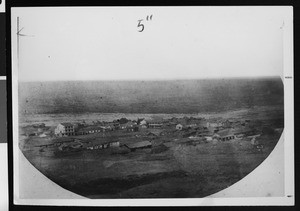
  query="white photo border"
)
[{"x": 288, "y": 136}]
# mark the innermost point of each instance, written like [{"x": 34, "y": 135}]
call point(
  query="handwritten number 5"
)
[{"x": 140, "y": 25}]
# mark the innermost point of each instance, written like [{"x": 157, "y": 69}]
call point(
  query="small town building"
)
[
  {"x": 154, "y": 133},
  {"x": 134, "y": 128},
  {"x": 127, "y": 125},
  {"x": 114, "y": 144},
  {"x": 208, "y": 138},
  {"x": 64, "y": 129},
  {"x": 143, "y": 122},
  {"x": 196, "y": 138},
  {"x": 103, "y": 145},
  {"x": 139, "y": 120},
  {"x": 227, "y": 123},
  {"x": 139, "y": 145},
  {"x": 194, "y": 126},
  {"x": 110, "y": 126},
  {"x": 90, "y": 130},
  {"x": 243, "y": 130},
  {"x": 214, "y": 124},
  {"x": 155, "y": 122},
  {"x": 254, "y": 141},
  {"x": 190, "y": 132},
  {"x": 70, "y": 146},
  {"x": 226, "y": 135},
  {"x": 130, "y": 126},
  {"x": 179, "y": 127},
  {"x": 123, "y": 120},
  {"x": 154, "y": 125},
  {"x": 116, "y": 125}
]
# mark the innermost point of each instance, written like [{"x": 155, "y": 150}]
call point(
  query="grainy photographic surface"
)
[
  {"x": 149, "y": 139},
  {"x": 126, "y": 103}
]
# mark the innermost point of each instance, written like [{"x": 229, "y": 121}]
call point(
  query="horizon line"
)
[{"x": 152, "y": 80}]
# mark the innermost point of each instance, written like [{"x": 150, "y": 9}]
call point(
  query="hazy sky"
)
[{"x": 178, "y": 43}]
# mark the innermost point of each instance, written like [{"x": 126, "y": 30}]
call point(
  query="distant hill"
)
[{"x": 180, "y": 96}]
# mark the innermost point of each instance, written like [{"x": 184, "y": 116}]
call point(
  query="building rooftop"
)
[
  {"x": 226, "y": 132},
  {"x": 67, "y": 124},
  {"x": 139, "y": 144},
  {"x": 156, "y": 120},
  {"x": 156, "y": 132},
  {"x": 98, "y": 141},
  {"x": 91, "y": 127},
  {"x": 129, "y": 124}
]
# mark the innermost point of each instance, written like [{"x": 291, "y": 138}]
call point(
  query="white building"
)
[
  {"x": 65, "y": 129},
  {"x": 143, "y": 122},
  {"x": 179, "y": 127}
]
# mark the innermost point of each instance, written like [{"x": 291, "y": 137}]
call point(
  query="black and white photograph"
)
[{"x": 154, "y": 103}]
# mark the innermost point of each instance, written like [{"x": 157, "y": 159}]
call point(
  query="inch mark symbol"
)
[{"x": 140, "y": 25}]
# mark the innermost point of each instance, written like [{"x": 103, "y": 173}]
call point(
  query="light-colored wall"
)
[{"x": 60, "y": 129}]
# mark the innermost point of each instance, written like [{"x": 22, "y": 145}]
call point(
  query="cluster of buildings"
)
[
  {"x": 103, "y": 145},
  {"x": 69, "y": 129},
  {"x": 77, "y": 144},
  {"x": 188, "y": 126}
]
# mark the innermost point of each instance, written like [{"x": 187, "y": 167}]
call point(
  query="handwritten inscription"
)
[{"x": 140, "y": 25}]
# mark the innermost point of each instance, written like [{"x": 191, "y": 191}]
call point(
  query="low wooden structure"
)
[{"x": 138, "y": 145}]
